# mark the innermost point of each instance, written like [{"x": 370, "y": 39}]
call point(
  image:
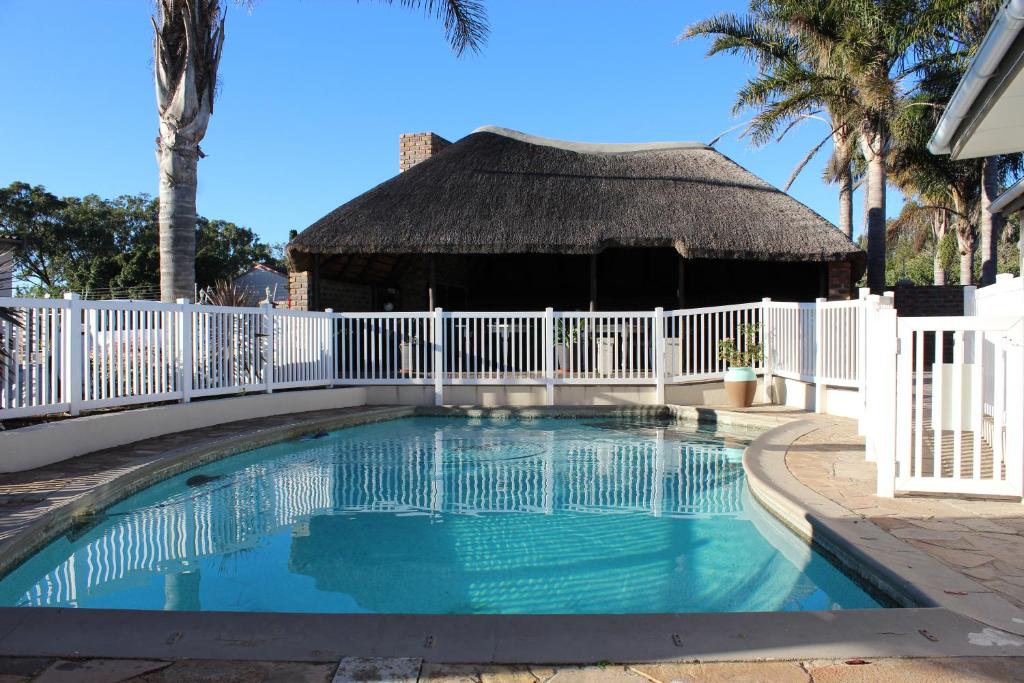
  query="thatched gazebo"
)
[{"x": 500, "y": 220}]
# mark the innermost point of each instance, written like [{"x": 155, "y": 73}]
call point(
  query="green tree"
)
[
  {"x": 854, "y": 56},
  {"x": 792, "y": 85},
  {"x": 109, "y": 248},
  {"x": 187, "y": 45}
]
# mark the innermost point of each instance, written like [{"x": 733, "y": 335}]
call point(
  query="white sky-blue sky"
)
[{"x": 314, "y": 93}]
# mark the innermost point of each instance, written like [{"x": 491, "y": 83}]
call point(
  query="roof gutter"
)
[
  {"x": 1000, "y": 37},
  {"x": 1009, "y": 201}
]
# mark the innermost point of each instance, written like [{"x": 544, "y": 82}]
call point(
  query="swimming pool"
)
[{"x": 447, "y": 516}]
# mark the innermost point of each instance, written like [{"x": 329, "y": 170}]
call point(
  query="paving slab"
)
[
  {"x": 97, "y": 670},
  {"x": 393, "y": 670},
  {"x": 791, "y": 471},
  {"x": 974, "y": 533}
]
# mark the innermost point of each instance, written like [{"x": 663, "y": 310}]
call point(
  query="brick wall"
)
[
  {"x": 840, "y": 280},
  {"x": 920, "y": 301},
  {"x": 299, "y": 292},
  {"x": 915, "y": 302},
  {"x": 416, "y": 147},
  {"x": 345, "y": 296},
  {"x": 341, "y": 296}
]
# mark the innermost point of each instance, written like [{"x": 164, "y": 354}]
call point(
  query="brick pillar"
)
[
  {"x": 416, "y": 147},
  {"x": 840, "y": 280},
  {"x": 300, "y": 292}
]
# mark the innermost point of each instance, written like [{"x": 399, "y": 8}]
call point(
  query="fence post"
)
[
  {"x": 882, "y": 422},
  {"x": 862, "y": 358},
  {"x": 767, "y": 333},
  {"x": 659, "y": 355},
  {"x": 268, "y": 363},
  {"x": 549, "y": 355},
  {"x": 819, "y": 356},
  {"x": 331, "y": 345},
  {"x": 72, "y": 352},
  {"x": 438, "y": 357},
  {"x": 185, "y": 348}
]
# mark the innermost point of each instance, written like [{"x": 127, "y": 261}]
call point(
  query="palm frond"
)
[{"x": 465, "y": 21}]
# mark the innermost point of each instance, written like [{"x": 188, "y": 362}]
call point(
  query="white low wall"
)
[
  {"x": 44, "y": 444},
  {"x": 703, "y": 393},
  {"x": 839, "y": 401}
]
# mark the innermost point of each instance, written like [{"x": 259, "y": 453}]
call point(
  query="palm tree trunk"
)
[
  {"x": 846, "y": 202},
  {"x": 939, "y": 227},
  {"x": 965, "y": 241},
  {"x": 990, "y": 223},
  {"x": 187, "y": 43},
  {"x": 966, "y": 262},
  {"x": 177, "y": 219},
  {"x": 873, "y": 144},
  {"x": 845, "y": 178}
]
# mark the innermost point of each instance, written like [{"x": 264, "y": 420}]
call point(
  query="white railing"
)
[
  {"x": 944, "y": 397},
  {"x": 815, "y": 342},
  {"x": 70, "y": 355},
  {"x": 692, "y": 337}
]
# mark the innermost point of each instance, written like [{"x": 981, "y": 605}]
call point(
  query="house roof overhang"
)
[{"x": 983, "y": 117}]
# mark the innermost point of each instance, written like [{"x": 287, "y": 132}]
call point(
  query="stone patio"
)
[
  {"x": 981, "y": 539},
  {"x": 952, "y": 670}
]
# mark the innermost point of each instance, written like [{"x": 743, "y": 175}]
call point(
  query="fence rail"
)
[
  {"x": 935, "y": 420},
  {"x": 69, "y": 355}
]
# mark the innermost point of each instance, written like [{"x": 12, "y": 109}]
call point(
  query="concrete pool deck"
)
[{"x": 36, "y": 506}]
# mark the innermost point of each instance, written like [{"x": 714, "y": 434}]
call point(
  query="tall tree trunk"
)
[
  {"x": 845, "y": 180},
  {"x": 187, "y": 43},
  {"x": 966, "y": 261},
  {"x": 940, "y": 222},
  {"x": 873, "y": 143},
  {"x": 990, "y": 223},
  {"x": 178, "y": 164},
  {"x": 965, "y": 233},
  {"x": 846, "y": 202}
]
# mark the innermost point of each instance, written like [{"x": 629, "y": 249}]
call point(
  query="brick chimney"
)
[{"x": 416, "y": 147}]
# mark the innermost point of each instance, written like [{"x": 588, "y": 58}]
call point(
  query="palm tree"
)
[
  {"x": 855, "y": 53},
  {"x": 787, "y": 91},
  {"x": 958, "y": 30},
  {"x": 187, "y": 45}
]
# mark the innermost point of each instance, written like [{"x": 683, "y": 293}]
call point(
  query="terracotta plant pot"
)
[{"x": 740, "y": 384}]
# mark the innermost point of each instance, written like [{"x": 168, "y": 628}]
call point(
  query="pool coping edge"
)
[{"x": 908, "y": 575}]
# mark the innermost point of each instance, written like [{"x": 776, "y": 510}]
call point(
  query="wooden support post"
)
[
  {"x": 431, "y": 283},
  {"x": 593, "y": 282},
  {"x": 314, "y": 285},
  {"x": 681, "y": 285}
]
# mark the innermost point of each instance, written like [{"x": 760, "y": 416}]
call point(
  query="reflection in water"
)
[{"x": 545, "y": 516}]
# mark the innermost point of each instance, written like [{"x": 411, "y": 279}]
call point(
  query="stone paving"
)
[
  {"x": 958, "y": 670},
  {"x": 981, "y": 539}
]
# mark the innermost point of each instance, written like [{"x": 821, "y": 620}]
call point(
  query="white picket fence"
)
[
  {"x": 70, "y": 355},
  {"x": 942, "y": 399},
  {"x": 944, "y": 396}
]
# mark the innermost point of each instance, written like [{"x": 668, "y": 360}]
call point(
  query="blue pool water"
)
[{"x": 446, "y": 515}]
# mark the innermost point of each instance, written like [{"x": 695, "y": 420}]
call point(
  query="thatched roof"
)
[{"x": 500, "y": 191}]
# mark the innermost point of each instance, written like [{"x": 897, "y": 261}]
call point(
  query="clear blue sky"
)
[{"x": 313, "y": 95}]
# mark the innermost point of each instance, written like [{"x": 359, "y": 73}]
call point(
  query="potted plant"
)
[{"x": 740, "y": 380}]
